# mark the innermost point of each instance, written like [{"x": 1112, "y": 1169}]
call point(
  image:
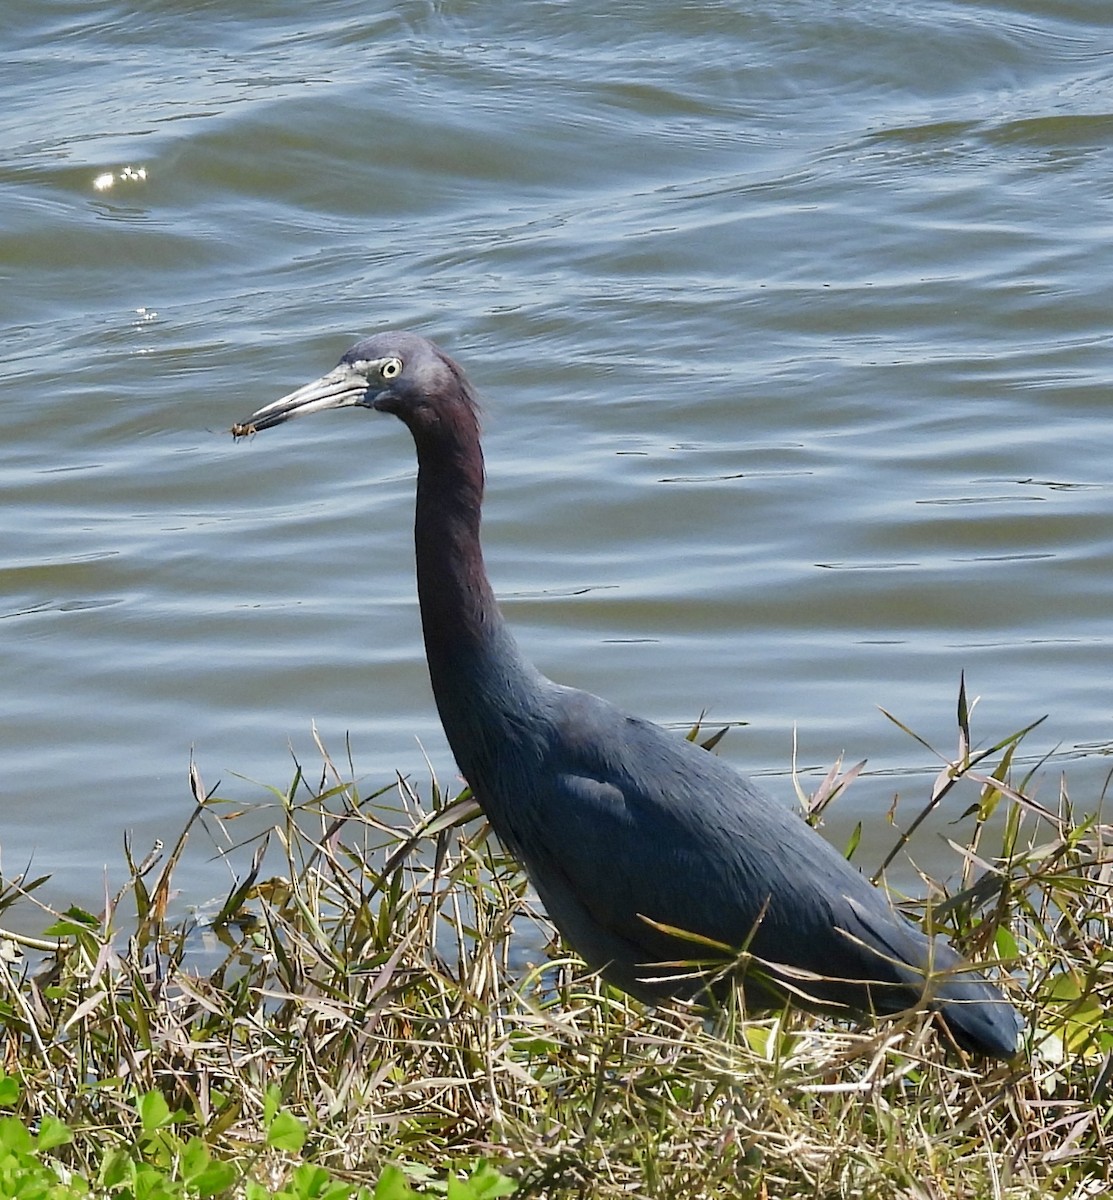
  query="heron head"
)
[{"x": 395, "y": 372}]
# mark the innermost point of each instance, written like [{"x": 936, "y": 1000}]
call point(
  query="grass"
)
[{"x": 354, "y": 1022}]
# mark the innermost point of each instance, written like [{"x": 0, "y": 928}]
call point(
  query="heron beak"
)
[{"x": 342, "y": 387}]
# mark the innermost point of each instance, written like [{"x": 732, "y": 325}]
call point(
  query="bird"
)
[{"x": 649, "y": 854}]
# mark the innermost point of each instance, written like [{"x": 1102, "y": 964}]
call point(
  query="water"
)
[{"x": 792, "y": 324}]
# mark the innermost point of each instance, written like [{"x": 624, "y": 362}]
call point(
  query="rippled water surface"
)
[{"x": 792, "y": 323}]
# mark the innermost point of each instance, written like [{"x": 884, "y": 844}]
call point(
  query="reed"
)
[{"x": 358, "y": 1018}]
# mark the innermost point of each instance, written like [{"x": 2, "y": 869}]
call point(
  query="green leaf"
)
[
  {"x": 116, "y": 1168},
  {"x": 1072, "y": 1011},
  {"x": 272, "y": 1102},
  {"x": 9, "y": 1091},
  {"x": 14, "y": 1136},
  {"x": 217, "y": 1177},
  {"x": 64, "y": 929},
  {"x": 759, "y": 1038},
  {"x": 1005, "y": 943},
  {"x": 74, "y": 921},
  {"x": 310, "y": 1182},
  {"x": 149, "y": 1183},
  {"x": 393, "y": 1185},
  {"x": 80, "y": 914},
  {"x": 154, "y": 1112},
  {"x": 53, "y": 1132},
  {"x": 485, "y": 1183},
  {"x": 286, "y": 1132},
  {"x": 195, "y": 1158}
]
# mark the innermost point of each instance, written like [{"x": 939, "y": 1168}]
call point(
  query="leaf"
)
[
  {"x": 74, "y": 921},
  {"x": 14, "y": 1136},
  {"x": 195, "y": 1158},
  {"x": 393, "y": 1185},
  {"x": 711, "y": 742},
  {"x": 9, "y": 1090},
  {"x": 1005, "y": 943},
  {"x": 272, "y": 1101},
  {"x": 61, "y": 929},
  {"x": 311, "y": 1182},
  {"x": 286, "y": 1132},
  {"x": 759, "y": 1038},
  {"x": 239, "y": 894},
  {"x": 85, "y": 918},
  {"x": 1077, "y": 1014},
  {"x": 116, "y": 1168},
  {"x": 53, "y": 1132},
  {"x": 149, "y": 1183},
  {"x": 485, "y": 1183},
  {"x": 217, "y": 1177},
  {"x": 154, "y": 1112},
  {"x": 88, "y": 1005},
  {"x": 963, "y": 722}
]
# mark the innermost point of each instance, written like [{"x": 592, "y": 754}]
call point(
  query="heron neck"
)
[{"x": 481, "y": 682}]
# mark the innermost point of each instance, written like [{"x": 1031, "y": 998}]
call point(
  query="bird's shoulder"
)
[
  {"x": 679, "y": 835},
  {"x": 623, "y": 787},
  {"x": 621, "y": 763},
  {"x": 619, "y": 788}
]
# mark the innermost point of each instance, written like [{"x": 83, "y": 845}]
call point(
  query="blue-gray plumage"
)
[{"x": 628, "y": 831}]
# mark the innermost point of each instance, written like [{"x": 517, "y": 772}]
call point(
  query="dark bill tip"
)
[
  {"x": 343, "y": 387},
  {"x": 254, "y": 424}
]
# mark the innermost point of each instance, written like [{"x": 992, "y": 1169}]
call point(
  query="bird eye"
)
[{"x": 391, "y": 369}]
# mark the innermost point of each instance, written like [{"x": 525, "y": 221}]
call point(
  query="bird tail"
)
[{"x": 977, "y": 1014}]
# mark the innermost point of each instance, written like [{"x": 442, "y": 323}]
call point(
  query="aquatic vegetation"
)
[{"x": 379, "y": 1008}]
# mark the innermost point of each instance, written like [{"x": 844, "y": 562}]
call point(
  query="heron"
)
[{"x": 644, "y": 849}]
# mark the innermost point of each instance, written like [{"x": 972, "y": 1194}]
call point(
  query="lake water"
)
[{"x": 792, "y": 323}]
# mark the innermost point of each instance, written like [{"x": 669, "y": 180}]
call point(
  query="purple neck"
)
[{"x": 483, "y": 687}]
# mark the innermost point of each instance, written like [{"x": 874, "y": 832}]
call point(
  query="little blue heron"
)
[{"x": 629, "y": 833}]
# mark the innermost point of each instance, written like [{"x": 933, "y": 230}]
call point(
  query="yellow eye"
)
[{"x": 391, "y": 369}]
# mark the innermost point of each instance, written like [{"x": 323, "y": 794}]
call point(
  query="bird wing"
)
[{"x": 639, "y": 829}]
